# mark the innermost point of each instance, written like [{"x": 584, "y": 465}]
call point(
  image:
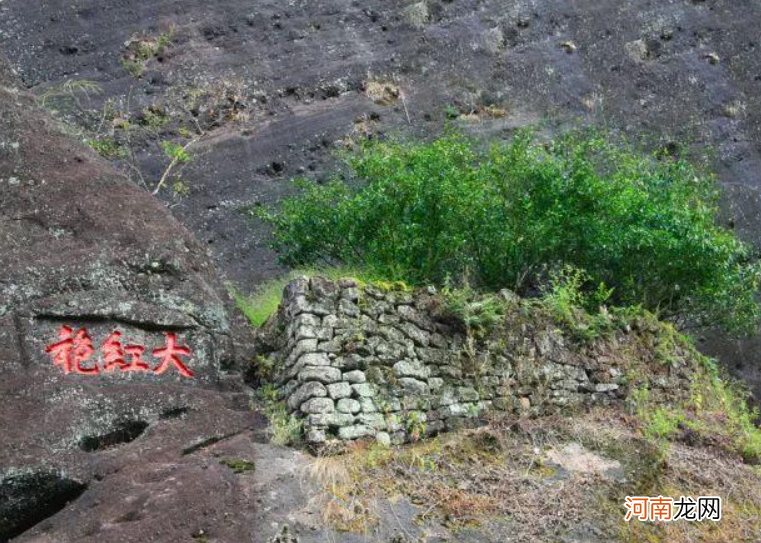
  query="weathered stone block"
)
[
  {"x": 350, "y": 293},
  {"x": 354, "y": 432},
  {"x": 339, "y": 390},
  {"x": 332, "y": 420},
  {"x": 318, "y": 405},
  {"x": 411, "y": 368},
  {"x": 453, "y": 410},
  {"x": 331, "y": 346},
  {"x": 388, "y": 320},
  {"x": 301, "y": 347},
  {"x": 414, "y": 333},
  {"x": 347, "y": 405},
  {"x": 322, "y": 374},
  {"x": 446, "y": 397},
  {"x": 413, "y": 386},
  {"x": 468, "y": 394},
  {"x": 333, "y": 322},
  {"x": 306, "y": 392},
  {"x": 323, "y": 288},
  {"x": 391, "y": 334},
  {"x": 376, "y": 421},
  {"x": 314, "y": 359},
  {"x": 367, "y": 405},
  {"x": 347, "y": 282},
  {"x": 300, "y": 305},
  {"x": 411, "y": 401},
  {"x": 430, "y": 355},
  {"x": 606, "y": 387},
  {"x": 355, "y": 377},
  {"x": 348, "y": 308},
  {"x": 453, "y": 372},
  {"x": 435, "y": 383},
  {"x": 363, "y": 390}
]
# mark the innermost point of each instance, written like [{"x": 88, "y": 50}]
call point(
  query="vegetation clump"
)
[
  {"x": 641, "y": 228},
  {"x": 238, "y": 465},
  {"x": 286, "y": 429},
  {"x": 716, "y": 412},
  {"x": 141, "y": 48}
]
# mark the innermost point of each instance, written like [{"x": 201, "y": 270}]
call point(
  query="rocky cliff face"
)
[
  {"x": 112, "y": 324},
  {"x": 277, "y": 87}
]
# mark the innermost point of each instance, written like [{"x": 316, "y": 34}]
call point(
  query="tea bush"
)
[{"x": 640, "y": 226}]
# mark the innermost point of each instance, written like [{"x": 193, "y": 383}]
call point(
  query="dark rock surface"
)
[
  {"x": 275, "y": 87},
  {"x": 83, "y": 247}
]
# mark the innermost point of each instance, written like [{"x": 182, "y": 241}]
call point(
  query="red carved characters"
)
[
  {"x": 170, "y": 355},
  {"x": 135, "y": 362},
  {"x": 72, "y": 350},
  {"x": 113, "y": 354}
]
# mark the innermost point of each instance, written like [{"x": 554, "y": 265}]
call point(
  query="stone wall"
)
[{"x": 359, "y": 361}]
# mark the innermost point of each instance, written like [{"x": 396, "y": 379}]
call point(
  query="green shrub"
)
[
  {"x": 107, "y": 147},
  {"x": 582, "y": 313},
  {"x": 643, "y": 226}
]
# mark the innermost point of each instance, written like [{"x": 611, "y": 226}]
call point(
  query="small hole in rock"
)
[
  {"x": 124, "y": 432},
  {"x": 175, "y": 412},
  {"x": 26, "y": 499}
]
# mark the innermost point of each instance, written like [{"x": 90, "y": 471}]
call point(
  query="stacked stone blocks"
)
[{"x": 359, "y": 361}]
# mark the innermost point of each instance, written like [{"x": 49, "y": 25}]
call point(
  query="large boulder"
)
[{"x": 113, "y": 324}]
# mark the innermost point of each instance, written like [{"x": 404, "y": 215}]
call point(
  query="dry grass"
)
[
  {"x": 343, "y": 506},
  {"x": 500, "y": 473},
  {"x": 384, "y": 93},
  {"x": 480, "y": 113}
]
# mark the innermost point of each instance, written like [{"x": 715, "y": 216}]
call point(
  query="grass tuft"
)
[{"x": 264, "y": 301}]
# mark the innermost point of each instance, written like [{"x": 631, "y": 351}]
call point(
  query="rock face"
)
[
  {"x": 84, "y": 247},
  {"x": 113, "y": 327},
  {"x": 356, "y": 362}
]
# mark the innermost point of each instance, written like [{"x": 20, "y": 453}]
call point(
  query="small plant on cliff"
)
[
  {"x": 178, "y": 155},
  {"x": 286, "y": 429},
  {"x": 478, "y": 313},
  {"x": 643, "y": 225},
  {"x": 141, "y": 48},
  {"x": 107, "y": 147},
  {"x": 71, "y": 89}
]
